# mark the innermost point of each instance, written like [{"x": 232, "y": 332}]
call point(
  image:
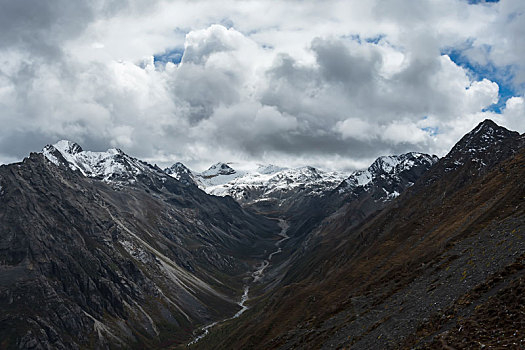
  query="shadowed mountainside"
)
[
  {"x": 135, "y": 259},
  {"x": 434, "y": 261}
]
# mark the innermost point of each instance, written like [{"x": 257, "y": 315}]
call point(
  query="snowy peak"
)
[
  {"x": 218, "y": 169},
  {"x": 392, "y": 169},
  {"x": 270, "y": 181},
  {"x": 269, "y": 169},
  {"x": 180, "y": 172},
  {"x": 177, "y": 169},
  {"x": 110, "y": 166},
  {"x": 398, "y": 163},
  {"x": 303, "y": 175},
  {"x": 218, "y": 174},
  {"x": 65, "y": 146},
  {"x": 273, "y": 182}
]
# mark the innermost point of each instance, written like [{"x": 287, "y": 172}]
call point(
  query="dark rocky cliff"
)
[{"x": 86, "y": 264}]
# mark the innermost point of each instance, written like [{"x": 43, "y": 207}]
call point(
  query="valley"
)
[
  {"x": 412, "y": 273},
  {"x": 113, "y": 251},
  {"x": 256, "y": 276}
]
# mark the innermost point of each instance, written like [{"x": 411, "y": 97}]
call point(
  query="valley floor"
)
[{"x": 255, "y": 277}]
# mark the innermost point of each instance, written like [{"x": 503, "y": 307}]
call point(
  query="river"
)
[{"x": 256, "y": 276}]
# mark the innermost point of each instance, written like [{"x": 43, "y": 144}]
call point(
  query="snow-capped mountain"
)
[
  {"x": 217, "y": 174},
  {"x": 269, "y": 169},
  {"x": 111, "y": 166},
  {"x": 271, "y": 182},
  {"x": 180, "y": 172},
  {"x": 264, "y": 183},
  {"x": 392, "y": 171},
  {"x": 306, "y": 195}
]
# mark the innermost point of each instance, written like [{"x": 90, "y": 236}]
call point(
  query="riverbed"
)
[{"x": 256, "y": 276}]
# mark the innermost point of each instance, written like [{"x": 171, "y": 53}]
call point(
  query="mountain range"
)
[{"x": 103, "y": 250}]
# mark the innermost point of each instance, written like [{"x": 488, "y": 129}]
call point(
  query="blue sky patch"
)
[
  {"x": 502, "y": 76},
  {"x": 173, "y": 56},
  {"x": 432, "y": 131},
  {"x": 376, "y": 39},
  {"x": 371, "y": 40},
  {"x": 474, "y": 2}
]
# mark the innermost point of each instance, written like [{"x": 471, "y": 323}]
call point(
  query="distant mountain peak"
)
[
  {"x": 485, "y": 145},
  {"x": 177, "y": 167},
  {"x": 398, "y": 168},
  {"x": 68, "y": 147},
  {"x": 182, "y": 173},
  {"x": 269, "y": 168},
  {"x": 270, "y": 182},
  {"x": 219, "y": 169},
  {"x": 398, "y": 163},
  {"x": 112, "y": 165}
]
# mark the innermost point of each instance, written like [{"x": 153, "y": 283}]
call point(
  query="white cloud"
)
[
  {"x": 355, "y": 128},
  {"x": 404, "y": 132},
  {"x": 333, "y": 83},
  {"x": 514, "y": 113}
]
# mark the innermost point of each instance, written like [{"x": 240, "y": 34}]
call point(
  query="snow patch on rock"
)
[{"x": 109, "y": 166}]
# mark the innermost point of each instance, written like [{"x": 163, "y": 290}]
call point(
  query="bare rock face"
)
[
  {"x": 477, "y": 153},
  {"x": 91, "y": 258}
]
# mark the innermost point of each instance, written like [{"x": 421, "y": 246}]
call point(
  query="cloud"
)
[
  {"x": 355, "y": 128},
  {"x": 514, "y": 113},
  {"x": 331, "y": 83},
  {"x": 216, "y": 69}
]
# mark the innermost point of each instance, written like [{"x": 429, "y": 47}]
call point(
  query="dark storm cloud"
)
[
  {"x": 338, "y": 64},
  {"x": 17, "y": 142},
  {"x": 40, "y": 26}
]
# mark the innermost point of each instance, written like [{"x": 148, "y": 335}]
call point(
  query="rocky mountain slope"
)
[
  {"x": 446, "y": 256},
  {"x": 306, "y": 195},
  {"x": 362, "y": 193},
  {"x": 99, "y": 249}
]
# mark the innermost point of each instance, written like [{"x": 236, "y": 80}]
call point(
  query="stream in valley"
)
[{"x": 256, "y": 276}]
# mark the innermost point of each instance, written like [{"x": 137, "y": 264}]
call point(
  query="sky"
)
[{"x": 332, "y": 84}]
